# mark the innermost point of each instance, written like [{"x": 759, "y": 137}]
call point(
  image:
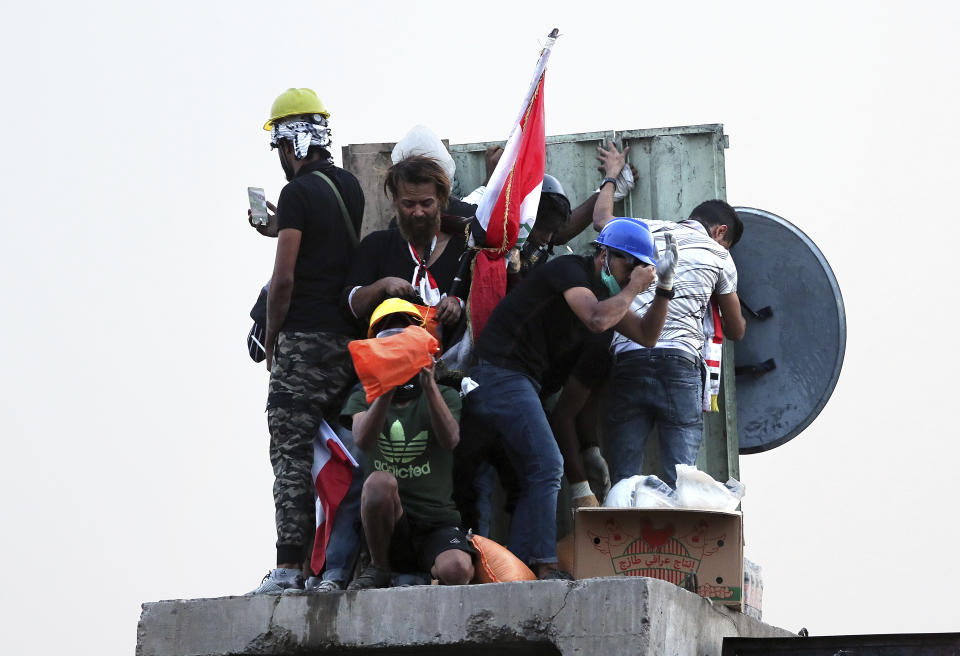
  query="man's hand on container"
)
[{"x": 612, "y": 160}]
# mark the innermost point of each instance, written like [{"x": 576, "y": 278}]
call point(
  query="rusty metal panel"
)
[{"x": 679, "y": 167}]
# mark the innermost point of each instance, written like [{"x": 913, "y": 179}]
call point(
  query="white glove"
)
[
  {"x": 624, "y": 184},
  {"x": 597, "y": 471},
  {"x": 667, "y": 263}
]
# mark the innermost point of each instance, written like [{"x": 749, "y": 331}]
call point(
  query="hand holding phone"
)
[{"x": 258, "y": 207}]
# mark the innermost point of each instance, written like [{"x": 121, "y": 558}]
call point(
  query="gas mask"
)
[{"x": 531, "y": 255}]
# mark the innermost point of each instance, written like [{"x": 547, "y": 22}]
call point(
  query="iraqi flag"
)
[
  {"x": 332, "y": 473},
  {"x": 509, "y": 207}
]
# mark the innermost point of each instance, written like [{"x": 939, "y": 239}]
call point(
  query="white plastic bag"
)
[{"x": 699, "y": 491}]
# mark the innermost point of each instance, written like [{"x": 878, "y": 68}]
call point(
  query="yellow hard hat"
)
[
  {"x": 393, "y": 306},
  {"x": 293, "y": 102}
]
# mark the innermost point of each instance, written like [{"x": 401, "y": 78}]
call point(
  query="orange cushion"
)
[
  {"x": 384, "y": 363},
  {"x": 495, "y": 563}
]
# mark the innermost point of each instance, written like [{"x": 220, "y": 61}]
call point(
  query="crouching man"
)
[{"x": 409, "y": 518}]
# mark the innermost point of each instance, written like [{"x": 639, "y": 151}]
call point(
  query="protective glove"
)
[
  {"x": 598, "y": 474},
  {"x": 623, "y": 185},
  {"x": 667, "y": 263}
]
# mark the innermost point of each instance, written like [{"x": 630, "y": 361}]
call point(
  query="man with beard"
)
[
  {"x": 318, "y": 215},
  {"x": 417, "y": 261}
]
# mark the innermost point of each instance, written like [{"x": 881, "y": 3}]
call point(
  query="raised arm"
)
[
  {"x": 599, "y": 316},
  {"x": 444, "y": 424},
  {"x": 579, "y": 220},
  {"x": 367, "y": 425},
  {"x": 612, "y": 162}
]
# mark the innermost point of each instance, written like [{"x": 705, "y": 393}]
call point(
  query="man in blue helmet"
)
[
  {"x": 548, "y": 315},
  {"x": 661, "y": 384}
]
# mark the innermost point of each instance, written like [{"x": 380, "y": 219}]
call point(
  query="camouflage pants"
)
[{"x": 309, "y": 379}]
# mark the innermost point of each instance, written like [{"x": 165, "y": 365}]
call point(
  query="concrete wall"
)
[{"x": 595, "y": 617}]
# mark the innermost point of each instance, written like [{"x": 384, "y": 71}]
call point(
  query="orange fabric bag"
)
[
  {"x": 384, "y": 363},
  {"x": 495, "y": 563}
]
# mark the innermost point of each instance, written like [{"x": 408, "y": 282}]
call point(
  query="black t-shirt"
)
[
  {"x": 385, "y": 253},
  {"x": 308, "y": 204},
  {"x": 533, "y": 327}
]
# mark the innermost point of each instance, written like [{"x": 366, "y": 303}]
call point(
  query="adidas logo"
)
[{"x": 455, "y": 541}]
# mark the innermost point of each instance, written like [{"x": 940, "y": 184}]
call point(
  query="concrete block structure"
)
[{"x": 593, "y": 617}]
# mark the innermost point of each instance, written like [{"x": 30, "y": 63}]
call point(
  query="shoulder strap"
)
[{"x": 351, "y": 231}]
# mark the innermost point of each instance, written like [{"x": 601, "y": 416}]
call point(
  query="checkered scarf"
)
[{"x": 303, "y": 134}]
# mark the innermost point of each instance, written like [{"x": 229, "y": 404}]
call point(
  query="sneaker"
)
[
  {"x": 278, "y": 580},
  {"x": 316, "y": 584},
  {"x": 371, "y": 577},
  {"x": 554, "y": 574}
]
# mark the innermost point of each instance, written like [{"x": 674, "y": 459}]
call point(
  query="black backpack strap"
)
[{"x": 351, "y": 230}]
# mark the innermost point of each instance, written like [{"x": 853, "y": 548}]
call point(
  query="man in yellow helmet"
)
[{"x": 318, "y": 217}]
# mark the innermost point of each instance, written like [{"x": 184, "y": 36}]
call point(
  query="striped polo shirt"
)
[{"x": 704, "y": 267}]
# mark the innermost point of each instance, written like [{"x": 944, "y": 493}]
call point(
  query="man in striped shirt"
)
[{"x": 662, "y": 386}]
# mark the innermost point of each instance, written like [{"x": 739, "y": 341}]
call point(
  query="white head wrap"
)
[
  {"x": 421, "y": 140},
  {"x": 302, "y": 132}
]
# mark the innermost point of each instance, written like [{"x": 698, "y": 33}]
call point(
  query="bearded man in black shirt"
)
[
  {"x": 418, "y": 261},
  {"x": 540, "y": 322}
]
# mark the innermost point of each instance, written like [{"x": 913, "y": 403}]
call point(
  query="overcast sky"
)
[{"x": 135, "y": 445}]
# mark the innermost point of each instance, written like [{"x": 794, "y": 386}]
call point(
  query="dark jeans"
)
[
  {"x": 654, "y": 387},
  {"x": 507, "y": 403}
]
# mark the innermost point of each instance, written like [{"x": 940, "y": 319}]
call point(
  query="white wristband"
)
[{"x": 580, "y": 490}]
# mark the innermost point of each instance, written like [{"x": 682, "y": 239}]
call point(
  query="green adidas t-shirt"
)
[{"x": 408, "y": 449}]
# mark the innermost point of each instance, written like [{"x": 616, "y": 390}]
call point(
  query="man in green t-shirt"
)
[{"x": 409, "y": 433}]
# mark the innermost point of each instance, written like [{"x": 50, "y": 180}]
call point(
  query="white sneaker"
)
[
  {"x": 316, "y": 584},
  {"x": 278, "y": 580}
]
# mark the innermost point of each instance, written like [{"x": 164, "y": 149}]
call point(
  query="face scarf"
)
[
  {"x": 612, "y": 285},
  {"x": 302, "y": 134}
]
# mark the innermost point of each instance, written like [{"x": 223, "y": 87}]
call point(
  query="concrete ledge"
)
[{"x": 595, "y": 617}]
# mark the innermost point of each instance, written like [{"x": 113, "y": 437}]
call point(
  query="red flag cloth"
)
[
  {"x": 517, "y": 195},
  {"x": 332, "y": 474},
  {"x": 384, "y": 363}
]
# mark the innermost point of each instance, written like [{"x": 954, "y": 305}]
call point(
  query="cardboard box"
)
[{"x": 699, "y": 550}]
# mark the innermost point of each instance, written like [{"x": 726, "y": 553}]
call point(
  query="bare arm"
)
[
  {"x": 597, "y": 315},
  {"x": 734, "y": 325},
  {"x": 646, "y": 330},
  {"x": 368, "y": 425},
  {"x": 281, "y": 287},
  {"x": 445, "y": 427},
  {"x": 579, "y": 220},
  {"x": 368, "y": 297}
]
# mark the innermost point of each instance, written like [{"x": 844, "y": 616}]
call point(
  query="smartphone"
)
[{"x": 258, "y": 206}]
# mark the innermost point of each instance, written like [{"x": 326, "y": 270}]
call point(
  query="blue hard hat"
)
[{"x": 630, "y": 236}]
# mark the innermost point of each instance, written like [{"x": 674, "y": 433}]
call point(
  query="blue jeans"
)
[
  {"x": 508, "y": 403},
  {"x": 341, "y": 554},
  {"x": 653, "y": 388}
]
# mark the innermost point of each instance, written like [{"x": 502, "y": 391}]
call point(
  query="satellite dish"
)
[{"x": 790, "y": 359}]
